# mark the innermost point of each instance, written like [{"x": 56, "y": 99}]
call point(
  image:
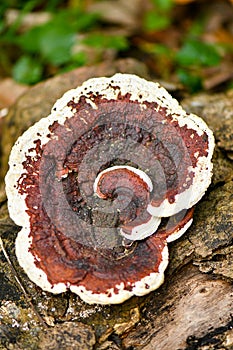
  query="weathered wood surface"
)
[{"x": 192, "y": 310}]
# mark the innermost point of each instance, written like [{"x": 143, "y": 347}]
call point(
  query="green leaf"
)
[
  {"x": 195, "y": 52},
  {"x": 52, "y": 43},
  {"x": 197, "y": 28},
  {"x": 101, "y": 41},
  {"x": 162, "y": 50},
  {"x": 79, "y": 59},
  {"x": 74, "y": 19},
  {"x": 155, "y": 21},
  {"x": 27, "y": 70},
  {"x": 55, "y": 44},
  {"x": 30, "y": 40},
  {"x": 2, "y": 26},
  {"x": 191, "y": 81},
  {"x": 82, "y": 21},
  {"x": 163, "y": 5},
  {"x": 54, "y": 40}
]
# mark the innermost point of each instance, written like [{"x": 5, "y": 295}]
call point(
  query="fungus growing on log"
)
[{"x": 102, "y": 184}]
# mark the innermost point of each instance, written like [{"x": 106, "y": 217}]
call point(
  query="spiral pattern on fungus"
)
[{"x": 102, "y": 184}]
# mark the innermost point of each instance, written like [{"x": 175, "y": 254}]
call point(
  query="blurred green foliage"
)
[
  {"x": 53, "y": 41},
  {"x": 27, "y": 70},
  {"x": 159, "y": 16},
  {"x": 52, "y": 44},
  {"x": 196, "y": 52},
  {"x": 72, "y": 36},
  {"x": 100, "y": 41},
  {"x": 193, "y": 54}
]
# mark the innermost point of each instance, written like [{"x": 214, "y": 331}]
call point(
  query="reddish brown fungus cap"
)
[{"x": 102, "y": 184}]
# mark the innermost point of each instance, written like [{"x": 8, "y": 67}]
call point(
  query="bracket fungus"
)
[{"x": 102, "y": 184}]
